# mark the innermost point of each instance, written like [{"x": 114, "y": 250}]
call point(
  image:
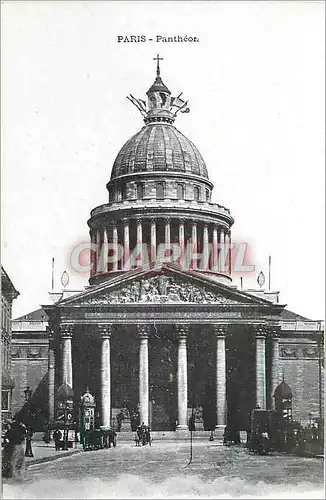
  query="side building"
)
[
  {"x": 29, "y": 356},
  {"x": 8, "y": 294}
]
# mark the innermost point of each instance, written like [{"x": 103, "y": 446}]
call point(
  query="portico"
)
[{"x": 146, "y": 322}]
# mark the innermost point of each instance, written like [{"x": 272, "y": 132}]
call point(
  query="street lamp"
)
[{"x": 28, "y": 394}]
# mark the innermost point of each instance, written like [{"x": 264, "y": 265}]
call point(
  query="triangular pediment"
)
[{"x": 169, "y": 286}]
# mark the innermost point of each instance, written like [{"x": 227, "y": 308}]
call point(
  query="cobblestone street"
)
[{"x": 161, "y": 471}]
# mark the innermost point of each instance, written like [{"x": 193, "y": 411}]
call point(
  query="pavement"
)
[
  {"x": 46, "y": 452},
  {"x": 170, "y": 470}
]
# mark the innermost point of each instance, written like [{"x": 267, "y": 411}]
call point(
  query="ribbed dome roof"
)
[
  {"x": 283, "y": 391},
  {"x": 159, "y": 147}
]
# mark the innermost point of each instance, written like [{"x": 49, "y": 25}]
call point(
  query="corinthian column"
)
[
  {"x": 194, "y": 245},
  {"x": 66, "y": 335},
  {"x": 275, "y": 365},
  {"x": 167, "y": 233},
  {"x": 51, "y": 372},
  {"x": 143, "y": 374},
  {"x": 215, "y": 250},
  {"x": 220, "y": 332},
  {"x": 105, "y": 331},
  {"x": 115, "y": 247},
  {"x": 182, "y": 379},
  {"x": 153, "y": 240},
  {"x": 140, "y": 242},
  {"x": 261, "y": 369},
  {"x": 126, "y": 243},
  {"x": 205, "y": 249},
  {"x": 98, "y": 251},
  {"x": 182, "y": 242},
  {"x": 222, "y": 251}
]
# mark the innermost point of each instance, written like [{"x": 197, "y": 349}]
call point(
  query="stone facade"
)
[
  {"x": 30, "y": 352},
  {"x": 8, "y": 294},
  {"x": 152, "y": 341}
]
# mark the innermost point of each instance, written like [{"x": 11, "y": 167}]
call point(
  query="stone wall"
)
[{"x": 300, "y": 365}]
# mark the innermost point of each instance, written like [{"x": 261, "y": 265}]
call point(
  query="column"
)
[
  {"x": 260, "y": 369},
  {"x": 205, "y": 249},
  {"x": 92, "y": 253},
  {"x": 153, "y": 240},
  {"x": 143, "y": 374},
  {"x": 182, "y": 379},
  {"x": 222, "y": 251},
  {"x": 194, "y": 245},
  {"x": 51, "y": 374},
  {"x": 140, "y": 242},
  {"x": 115, "y": 247},
  {"x": 103, "y": 265},
  {"x": 66, "y": 335},
  {"x": 182, "y": 242},
  {"x": 98, "y": 250},
  {"x": 274, "y": 366},
  {"x": 230, "y": 255},
  {"x": 126, "y": 243},
  {"x": 167, "y": 233},
  {"x": 220, "y": 332},
  {"x": 215, "y": 250},
  {"x": 105, "y": 332}
]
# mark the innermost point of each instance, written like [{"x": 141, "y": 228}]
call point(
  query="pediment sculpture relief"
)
[{"x": 159, "y": 289}]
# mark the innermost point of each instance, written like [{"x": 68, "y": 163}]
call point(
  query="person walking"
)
[
  {"x": 15, "y": 452},
  {"x": 29, "y": 434},
  {"x": 57, "y": 437}
]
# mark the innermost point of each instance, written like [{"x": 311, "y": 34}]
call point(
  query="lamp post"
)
[{"x": 28, "y": 450}]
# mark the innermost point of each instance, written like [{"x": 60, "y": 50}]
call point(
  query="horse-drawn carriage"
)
[
  {"x": 96, "y": 439},
  {"x": 143, "y": 435}
]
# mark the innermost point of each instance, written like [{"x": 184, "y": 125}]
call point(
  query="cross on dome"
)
[{"x": 158, "y": 59}]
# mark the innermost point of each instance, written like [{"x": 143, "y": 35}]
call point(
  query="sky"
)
[{"x": 255, "y": 85}]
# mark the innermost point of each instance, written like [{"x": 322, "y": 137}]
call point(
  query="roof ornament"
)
[
  {"x": 261, "y": 279},
  {"x": 160, "y": 105},
  {"x": 158, "y": 59}
]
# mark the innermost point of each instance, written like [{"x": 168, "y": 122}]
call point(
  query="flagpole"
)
[
  {"x": 269, "y": 271},
  {"x": 52, "y": 274}
]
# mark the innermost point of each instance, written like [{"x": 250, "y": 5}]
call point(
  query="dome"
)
[
  {"x": 65, "y": 392},
  {"x": 283, "y": 391},
  {"x": 159, "y": 147}
]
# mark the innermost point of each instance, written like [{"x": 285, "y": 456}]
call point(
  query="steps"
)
[{"x": 126, "y": 436}]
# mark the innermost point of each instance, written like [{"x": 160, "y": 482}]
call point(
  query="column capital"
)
[
  {"x": 182, "y": 331},
  {"x": 181, "y": 220},
  {"x": 167, "y": 220},
  {"x": 221, "y": 330},
  {"x": 125, "y": 221},
  {"x": 260, "y": 331},
  {"x": 105, "y": 331},
  {"x": 275, "y": 332},
  {"x": 143, "y": 331},
  {"x": 66, "y": 331},
  {"x": 153, "y": 221},
  {"x": 139, "y": 221}
]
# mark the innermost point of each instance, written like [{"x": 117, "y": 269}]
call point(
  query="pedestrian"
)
[
  {"x": 6, "y": 451},
  {"x": 57, "y": 437},
  {"x": 15, "y": 452},
  {"x": 29, "y": 434}
]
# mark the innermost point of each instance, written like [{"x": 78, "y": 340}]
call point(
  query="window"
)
[
  {"x": 180, "y": 192},
  {"x": 207, "y": 195},
  {"x": 124, "y": 192},
  {"x": 159, "y": 191},
  {"x": 4, "y": 400},
  {"x": 196, "y": 193},
  {"x": 140, "y": 191}
]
